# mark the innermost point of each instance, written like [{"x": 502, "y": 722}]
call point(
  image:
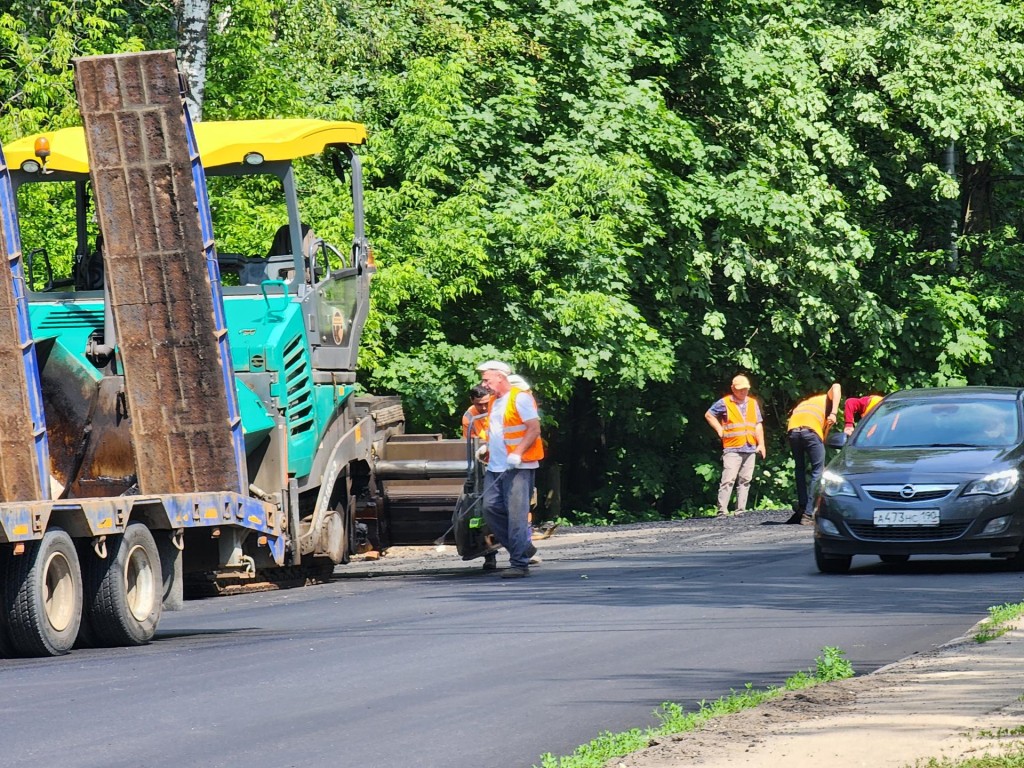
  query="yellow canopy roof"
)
[{"x": 220, "y": 143}]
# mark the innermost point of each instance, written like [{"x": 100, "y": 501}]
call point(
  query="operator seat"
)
[
  {"x": 280, "y": 265},
  {"x": 88, "y": 272}
]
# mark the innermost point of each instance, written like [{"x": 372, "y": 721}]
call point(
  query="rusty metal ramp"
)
[
  {"x": 24, "y": 455},
  {"x": 166, "y": 307}
]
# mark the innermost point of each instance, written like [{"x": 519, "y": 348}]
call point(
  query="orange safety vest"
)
[
  {"x": 809, "y": 413},
  {"x": 515, "y": 429},
  {"x": 740, "y": 428},
  {"x": 479, "y": 425}
]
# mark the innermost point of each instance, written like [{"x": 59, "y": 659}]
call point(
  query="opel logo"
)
[{"x": 907, "y": 492}]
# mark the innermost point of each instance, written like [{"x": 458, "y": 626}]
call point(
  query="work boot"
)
[
  {"x": 796, "y": 518},
  {"x": 515, "y": 573},
  {"x": 531, "y": 552},
  {"x": 491, "y": 561}
]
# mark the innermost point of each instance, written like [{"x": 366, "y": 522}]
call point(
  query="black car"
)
[{"x": 928, "y": 472}]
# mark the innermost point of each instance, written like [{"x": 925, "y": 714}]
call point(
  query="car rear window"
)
[{"x": 935, "y": 422}]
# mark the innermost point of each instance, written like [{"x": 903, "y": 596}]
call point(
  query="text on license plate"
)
[{"x": 885, "y": 517}]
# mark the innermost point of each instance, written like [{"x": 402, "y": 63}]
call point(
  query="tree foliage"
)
[{"x": 633, "y": 200}]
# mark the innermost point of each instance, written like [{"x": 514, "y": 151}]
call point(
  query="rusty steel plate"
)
[{"x": 156, "y": 272}]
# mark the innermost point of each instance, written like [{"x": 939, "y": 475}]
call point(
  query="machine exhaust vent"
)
[
  {"x": 78, "y": 318},
  {"x": 298, "y": 388}
]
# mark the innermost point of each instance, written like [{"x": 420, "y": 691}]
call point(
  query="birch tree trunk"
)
[{"x": 193, "y": 29}]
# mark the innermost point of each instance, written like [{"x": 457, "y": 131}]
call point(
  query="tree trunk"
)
[
  {"x": 193, "y": 31},
  {"x": 977, "y": 207}
]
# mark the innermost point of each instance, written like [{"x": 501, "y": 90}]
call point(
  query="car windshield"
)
[{"x": 936, "y": 422}]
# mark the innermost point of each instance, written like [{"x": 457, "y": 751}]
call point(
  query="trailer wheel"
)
[
  {"x": 124, "y": 592},
  {"x": 42, "y": 600}
]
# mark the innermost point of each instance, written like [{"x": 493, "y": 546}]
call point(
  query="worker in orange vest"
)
[
  {"x": 808, "y": 425},
  {"x": 736, "y": 418},
  {"x": 514, "y": 450},
  {"x": 856, "y": 408},
  {"x": 475, "y": 416}
]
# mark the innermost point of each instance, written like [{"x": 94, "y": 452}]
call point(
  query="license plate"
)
[{"x": 891, "y": 517}]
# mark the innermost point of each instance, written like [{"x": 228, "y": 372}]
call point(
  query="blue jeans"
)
[
  {"x": 807, "y": 449},
  {"x": 507, "y": 511}
]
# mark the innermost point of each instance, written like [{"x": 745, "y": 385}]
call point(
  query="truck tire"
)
[
  {"x": 42, "y": 600},
  {"x": 124, "y": 592}
]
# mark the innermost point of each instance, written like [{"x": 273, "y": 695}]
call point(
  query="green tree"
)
[{"x": 632, "y": 200}]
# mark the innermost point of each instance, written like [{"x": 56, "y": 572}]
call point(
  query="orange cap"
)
[{"x": 740, "y": 382}]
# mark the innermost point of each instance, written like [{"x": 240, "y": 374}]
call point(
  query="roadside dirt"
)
[
  {"x": 963, "y": 699},
  {"x": 958, "y": 701}
]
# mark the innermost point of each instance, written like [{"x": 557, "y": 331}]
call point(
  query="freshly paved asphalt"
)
[{"x": 465, "y": 670}]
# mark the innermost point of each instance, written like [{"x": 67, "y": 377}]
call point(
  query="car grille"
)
[
  {"x": 941, "y": 532},
  {"x": 890, "y": 493}
]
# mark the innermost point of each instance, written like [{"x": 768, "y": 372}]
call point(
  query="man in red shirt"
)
[{"x": 857, "y": 408}]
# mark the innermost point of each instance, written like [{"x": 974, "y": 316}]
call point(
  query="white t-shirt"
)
[{"x": 497, "y": 460}]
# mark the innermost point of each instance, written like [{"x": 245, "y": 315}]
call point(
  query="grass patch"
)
[
  {"x": 831, "y": 665},
  {"x": 1002, "y": 733},
  {"x": 1011, "y": 758},
  {"x": 998, "y": 621}
]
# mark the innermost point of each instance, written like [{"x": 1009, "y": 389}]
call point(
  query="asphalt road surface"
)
[{"x": 420, "y": 660}]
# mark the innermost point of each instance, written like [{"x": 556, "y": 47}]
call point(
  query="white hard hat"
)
[
  {"x": 519, "y": 382},
  {"x": 495, "y": 365}
]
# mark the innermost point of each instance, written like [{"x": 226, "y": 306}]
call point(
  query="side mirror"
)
[{"x": 836, "y": 440}]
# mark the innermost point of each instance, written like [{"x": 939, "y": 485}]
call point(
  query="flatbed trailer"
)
[{"x": 166, "y": 427}]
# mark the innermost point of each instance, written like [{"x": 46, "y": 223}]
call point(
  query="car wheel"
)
[
  {"x": 831, "y": 563},
  {"x": 1016, "y": 562},
  {"x": 894, "y": 559}
]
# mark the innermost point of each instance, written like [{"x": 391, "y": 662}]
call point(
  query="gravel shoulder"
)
[{"x": 959, "y": 700}]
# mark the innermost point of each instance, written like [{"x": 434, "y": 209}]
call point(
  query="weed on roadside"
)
[
  {"x": 1001, "y": 733},
  {"x": 998, "y": 621},
  {"x": 831, "y": 665},
  {"x": 1012, "y": 758}
]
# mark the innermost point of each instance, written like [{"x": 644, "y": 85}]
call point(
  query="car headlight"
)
[
  {"x": 995, "y": 484},
  {"x": 833, "y": 484}
]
